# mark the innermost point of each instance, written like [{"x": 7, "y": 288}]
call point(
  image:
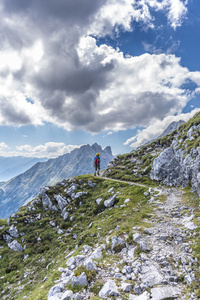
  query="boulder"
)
[
  {"x": 15, "y": 246},
  {"x": 13, "y": 231},
  {"x": 150, "y": 275},
  {"x": 79, "y": 194},
  {"x": 110, "y": 202},
  {"x": 46, "y": 202},
  {"x": 109, "y": 289},
  {"x": 139, "y": 239},
  {"x": 96, "y": 254},
  {"x": 71, "y": 261},
  {"x": 55, "y": 290},
  {"x": 144, "y": 296},
  {"x": 67, "y": 295},
  {"x": 117, "y": 242},
  {"x": 161, "y": 293},
  {"x": 90, "y": 265},
  {"x": 79, "y": 280},
  {"x": 65, "y": 214},
  {"x": 98, "y": 201},
  {"x": 126, "y": 287},
  {"x": 62, "y": 203}
]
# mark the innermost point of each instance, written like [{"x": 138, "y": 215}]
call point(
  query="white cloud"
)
[
  {"x": 71, "y": 81},
  {"x": 115, "y": 14},
  {"x": 156, "y": 128},
  {"x": 3, "y": 146},
  {"x": 50, "y": 150}
]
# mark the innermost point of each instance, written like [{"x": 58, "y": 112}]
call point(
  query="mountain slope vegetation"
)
[{"x": 127, "y": 236}]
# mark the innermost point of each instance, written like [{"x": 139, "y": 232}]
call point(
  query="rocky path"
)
[
  {"x": 165, "y": 259},
  {"x": 128, "y": 182}
]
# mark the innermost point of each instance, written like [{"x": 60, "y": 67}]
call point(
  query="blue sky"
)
[{"x": 79, "y": 72}]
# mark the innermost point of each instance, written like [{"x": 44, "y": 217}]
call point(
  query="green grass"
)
[{"x": 50, "y": 251}]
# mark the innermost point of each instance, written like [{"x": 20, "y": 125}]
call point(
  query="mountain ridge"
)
[{"x": 25, "y": 186}]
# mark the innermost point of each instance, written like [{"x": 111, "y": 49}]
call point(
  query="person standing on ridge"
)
[{"x": 97, "y": 164}]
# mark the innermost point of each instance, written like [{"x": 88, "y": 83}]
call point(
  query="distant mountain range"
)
[
  {"x": 13, "y": 166},
  {"x": 24, "y": 187}
]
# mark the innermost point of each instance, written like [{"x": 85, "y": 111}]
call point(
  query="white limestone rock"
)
[
  {"x": 111, "y": 190},
  {"x": 79, "y": 194},
  {"x": 62, "y": 203},
  {"x": 67, "y": 295},
  {"x": 98, "y": 201},
  {"x": 110, "y": 202},
  {"x": 144, "y": 296},
  {"x": 46, "y": 202},
  {"x": 109, "y": 289},
  {"x": 55, "y": 290},
  {"x": 90, "y": 265},
  {"x": 117, "y": 241},
  {"x": 15, "y": 246},
  {"x": 65, "y": 214},
  {"x": 161, "y": 293},
  {"x": 13, "y": 231},
  {"x": 96, "y": 254},
  {"x": 150, "y": 275},
  {"x": 71, "y": 261},
  {"x": 126, "y": 287},
  {"x": 79, "y": 280},
  {"x": 86, "y": 248},
  {"x": 139, "y": 239}
]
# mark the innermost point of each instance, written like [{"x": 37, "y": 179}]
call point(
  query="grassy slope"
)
[
  {"x": 21, "y": 277},
  {"x": 52, "y": 248}
]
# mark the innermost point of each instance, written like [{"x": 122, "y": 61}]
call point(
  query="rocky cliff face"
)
[
  {"x": 173, "y": 159},
  {"x": 23, "y": 188},
  {"x": 179, "y": 165}
]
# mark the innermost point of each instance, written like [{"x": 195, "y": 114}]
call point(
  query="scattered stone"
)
[
  {"x": 15, "y": 246},
  {"x": 126, "y": 201},
  {"x": 109, "y": 289},
  {"x": 161, "y": 293},
  {"x": 55, "y": 290},
  {"x": 90, "y": 265},
  {"x": 79, "y": 194},
  {"x": 91, "y": 184},
  {"x": 71, "y": 261},
  {"x": 13, "y": 231},
  {"x": 144, "y": 296},
  {"x": 126, "y": 287},
  {"x": 98, "y": 201},
  {"x": 62, "y": 203},
  {"x": 110, "y": 202},
  {"x": 79, "y": 280},
  {"x": 67, "y": 295},
  {"x": 117, "y": 242},
  {"x": 111, "y": 190}
]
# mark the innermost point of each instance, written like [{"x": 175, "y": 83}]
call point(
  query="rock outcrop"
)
[{"x": 176, "y": 166}]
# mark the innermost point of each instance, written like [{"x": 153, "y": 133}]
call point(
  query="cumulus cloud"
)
[
  {"x": 3, "y": 146},
  {"x": 50, "y": 150},
  {"x": 156, "y": 128},
  {"x": 52, "y": 71}
]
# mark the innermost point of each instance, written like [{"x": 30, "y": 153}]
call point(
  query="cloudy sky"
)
[{"x": 115, "y": 72}]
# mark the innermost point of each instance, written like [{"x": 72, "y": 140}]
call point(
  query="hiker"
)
[{"x": 97, "y": 164}]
